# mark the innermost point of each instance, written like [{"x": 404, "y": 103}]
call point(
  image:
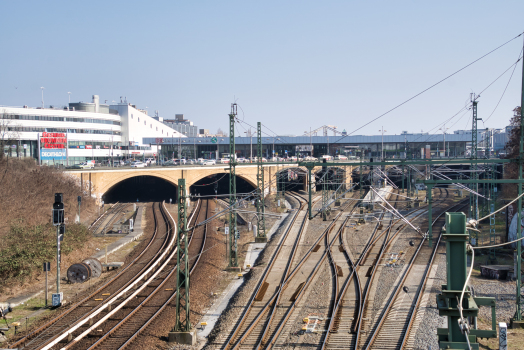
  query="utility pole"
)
[
  {"x": 382, "y": 149},
  {"x": 311, "y": 141},
  {"x": 444, "y": 129},
  {"x": 233, "y": 258},
  {"x": 261, "y": 224},
  {"x": 183, "y": 323}
]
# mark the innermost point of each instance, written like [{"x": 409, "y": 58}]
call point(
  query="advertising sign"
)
[
  {"x": 53, "y": 140},
  {"x": 53, "y": 146},
  {"x": 50, "y": 154}
]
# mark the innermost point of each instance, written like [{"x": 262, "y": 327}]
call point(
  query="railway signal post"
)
[
  {"x": 182, "y": 332},
  {"x": 58, "y": 221}
]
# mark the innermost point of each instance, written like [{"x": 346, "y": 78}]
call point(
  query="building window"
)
[
  {"x": 151, "y": 126},
  {"x": 139, "y": 119},
  {"x": 145, "y": 122},
  {"x": 157, "y": 128},
  {"x": 131, "y": 116}
]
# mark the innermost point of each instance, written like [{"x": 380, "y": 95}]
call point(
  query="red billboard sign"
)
[{"x": 53, "y": 140}]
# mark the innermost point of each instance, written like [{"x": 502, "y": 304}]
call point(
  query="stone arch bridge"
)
[{"x": 98, "y": 181}]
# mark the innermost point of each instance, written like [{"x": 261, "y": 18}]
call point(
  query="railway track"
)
[
  {"x": 102, "y": 219},
  {"x": 264, "y": 321},
  {"x": 111, "y": 294},
  {"x": 350, "y": 299},
  {"x": 125, "y": 325},
  {"x": 398, "y": 314},
  {"x": 366, "y": 318},
  {"x": 249, "y": 329}
]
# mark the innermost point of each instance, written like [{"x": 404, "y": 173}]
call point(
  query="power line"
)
[{"x": 429, "y": 88}]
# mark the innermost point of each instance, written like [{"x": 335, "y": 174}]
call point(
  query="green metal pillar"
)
[
  {"x": 233, "y": 258},
  {"x": 360, "y": 185},
  {"x": 403, "y": 178},
  {"x": 456, "y": 264},
  {"x": 430, "y": 214},
  {"x": 518, "y": 312},
  {"x": 261, "y": 223},
  {"x": 474, "y": 156},
  {"x": 310, "y": 190},
  {"x": 325, "y": 198},
  {"x": 183, "y": 323},
  {"x": 492, "y": 222}
]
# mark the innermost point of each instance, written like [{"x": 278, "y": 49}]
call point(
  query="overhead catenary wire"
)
[{"x": 430, "y": 87}]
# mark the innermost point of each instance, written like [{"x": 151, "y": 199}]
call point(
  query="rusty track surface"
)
[
  {"x": 392, "y": 329},
  {"x": 250, "y": 317},
  {"x": 129, "y": 277},
  {"x": 129, "y": 322}
]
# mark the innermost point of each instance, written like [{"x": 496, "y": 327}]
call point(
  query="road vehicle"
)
[
  {"x": 138, "y": 164},
  {"x": 209, "y": 162},
  {"x": 223, "y": 161},
  {"x": 341, "y": 157}
]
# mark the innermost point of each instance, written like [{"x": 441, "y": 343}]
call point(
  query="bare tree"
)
[{"x": 9, "y": 135}]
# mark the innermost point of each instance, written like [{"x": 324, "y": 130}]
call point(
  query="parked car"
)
[
  {"x": 242, "y": 160},
  {"x": 223, "y": 161},
  {"x": 150, "y": 161},
  {"x": 191, "y": 161},
  {"x": 138, "y": 164},
  {"x": 341, "y": 157},
  {"x": 170, "y": 162},
  {"x": 209, "y": 162},
  {"x": 200, "y": 160},
  {"x": 179, "y": 161}
]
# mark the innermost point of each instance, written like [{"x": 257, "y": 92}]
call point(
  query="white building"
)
[{"x": 79, "y": 132}]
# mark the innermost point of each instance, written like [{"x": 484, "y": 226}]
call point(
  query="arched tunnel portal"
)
[{"x": 142, "y": 188}]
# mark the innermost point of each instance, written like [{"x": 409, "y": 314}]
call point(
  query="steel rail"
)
[
  {"x": 144, "y": 326},
  {"x": 163, "y": 260},
  {"x": 101, "y": 216},
  {"x": 90, "y": 296},
  {"x": 96, "y": 225},
  {"x": 385, "y": 311},
  {"x": 158, "y": 288},
  {"x": 122, "y": 290},
  {"x": 418, "y": 296},
  {"x": 280, "y": 327},
  {"x": 243, "y": 318}
]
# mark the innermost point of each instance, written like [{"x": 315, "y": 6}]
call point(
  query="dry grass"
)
[{"x": 27, "y": 237}]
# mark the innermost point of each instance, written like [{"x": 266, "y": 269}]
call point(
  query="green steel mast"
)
[
  {"x": 261, "y": 221},
  {"x": 233, "y": 258},
  {"x": 183, "y": 323}
]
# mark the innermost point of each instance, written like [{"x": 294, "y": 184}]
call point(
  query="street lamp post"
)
[
  {"x": 42, "y": 88},
  {"x": 444, "y": 129},
  {"x": 382, "y": 142},
  {"x": 248, "y": 133}
]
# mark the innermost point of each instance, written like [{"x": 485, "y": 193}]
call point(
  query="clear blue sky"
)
[{"x": 290, "y": 64}]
